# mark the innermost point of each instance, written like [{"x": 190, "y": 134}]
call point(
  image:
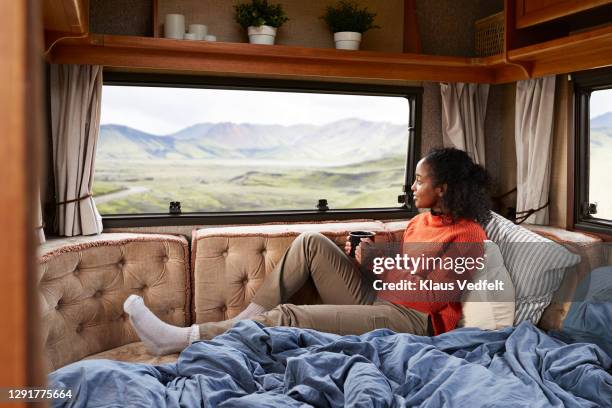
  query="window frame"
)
[
  {"x": 584, "y": 84},
  {"x": 413, "y": 94}
]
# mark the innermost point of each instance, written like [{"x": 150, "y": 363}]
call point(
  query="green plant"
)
[
  {"x": 258, "y": 13},
  {"x": 348, "y": 16}
]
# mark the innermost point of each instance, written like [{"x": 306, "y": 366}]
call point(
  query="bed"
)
[{"x": 255, "y": 366}]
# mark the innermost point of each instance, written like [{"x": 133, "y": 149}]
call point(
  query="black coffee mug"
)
[{"x": 355, "y": 238}]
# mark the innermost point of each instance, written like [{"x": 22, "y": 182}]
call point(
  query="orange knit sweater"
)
[{"x": 428, "y": 228}]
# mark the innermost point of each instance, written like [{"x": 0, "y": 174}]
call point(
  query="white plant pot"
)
[
  {"x": 262, "y": 35},
  {"x": 347, "y": 40}
]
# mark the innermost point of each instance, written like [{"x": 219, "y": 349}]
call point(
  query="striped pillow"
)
[{"x": 536, "y": 265}]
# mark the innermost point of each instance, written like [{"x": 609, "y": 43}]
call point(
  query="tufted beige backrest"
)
[
  {"x": 591, "y": 257},
  {"x": 230, "y": 263},
  {"x": 85, "y": 280}
]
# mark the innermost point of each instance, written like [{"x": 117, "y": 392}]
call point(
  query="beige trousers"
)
[{"x": 350, "y": 304}]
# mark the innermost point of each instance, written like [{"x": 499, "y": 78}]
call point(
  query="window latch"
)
[
  {"x": 589, "y": 209},
  {"x": 175, "y": 207},
  {"x": 403, "y": 199},
  {"x": 592, "y": 208},
  {"x": 322, "y": 205}
]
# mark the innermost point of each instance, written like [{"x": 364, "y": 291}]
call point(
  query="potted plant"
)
[
  {"x": 348, "y": 22},
  {"x": 260, "y": 19}
]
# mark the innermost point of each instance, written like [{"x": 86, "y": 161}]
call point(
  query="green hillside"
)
[{"x": 201, "y": 186}]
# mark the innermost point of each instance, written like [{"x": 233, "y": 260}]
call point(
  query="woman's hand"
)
[
  {"x": 347, "y": 245},
  {"x": 358, "y": 251}
]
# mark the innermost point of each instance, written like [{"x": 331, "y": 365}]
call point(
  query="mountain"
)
[
  {"x": 345, "y": 140},
  {"x": 358, "y": 138},
  {"x": 601, "y": 121},
  {"x": 118, "y": 142},
  {"x": 246, "y": 136}
]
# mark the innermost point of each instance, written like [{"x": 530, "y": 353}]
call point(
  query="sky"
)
[
  {"x": 161, "y": 111},
  {"x": 601, "y": 102}
]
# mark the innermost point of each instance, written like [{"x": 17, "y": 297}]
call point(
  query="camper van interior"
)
[{"x": 235, "y": 203}]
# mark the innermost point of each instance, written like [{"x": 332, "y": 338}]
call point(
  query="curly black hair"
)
[{"x": 467, "y": 194}]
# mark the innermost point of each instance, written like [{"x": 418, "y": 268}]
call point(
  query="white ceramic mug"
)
[
  {"x": 191, "y": 36},
  {"x": 200, "y": 30},
  {"x": 210, "y": 38},
  {"x": 174, "y": 26}
]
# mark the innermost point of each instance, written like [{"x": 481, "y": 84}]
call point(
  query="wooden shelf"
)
[
  {"x": 581, "y": 51},
  {"x": 577, "y": 52},
  {"x": 262, "y": 60}
]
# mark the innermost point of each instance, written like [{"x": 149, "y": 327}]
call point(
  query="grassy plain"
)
[
  {"x": 106, "y": 187},
  {"x": 147, "y": 186}
]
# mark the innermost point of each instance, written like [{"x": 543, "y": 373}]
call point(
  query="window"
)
[
  {"x": 234, "y": 147},
  {"x": 593, "y": 207}
]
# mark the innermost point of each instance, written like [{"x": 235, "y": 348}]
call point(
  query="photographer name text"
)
[{"x": 427, "y": 284}]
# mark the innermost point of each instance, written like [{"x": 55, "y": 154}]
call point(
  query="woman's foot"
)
[{"x": 159, "y": 337}]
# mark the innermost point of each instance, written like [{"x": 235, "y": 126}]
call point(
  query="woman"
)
[{"x": 447, "y": 182}]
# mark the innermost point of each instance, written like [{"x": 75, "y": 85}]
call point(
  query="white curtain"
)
[
  {"x": 38, "y": 229},
  {"x": 76, "y": 92},
  {"x": 464, "y": 107},
  {"x": 533, "y": 124}
]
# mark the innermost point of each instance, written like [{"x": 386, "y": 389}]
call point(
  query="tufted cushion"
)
[
  {"x": 84, "y": 281},
  {"x": 133, "y": 353},
  {"x": 560, "y": 235},
  {"x": 592, "y": 255},
  {"x": 230, "y": 263}
]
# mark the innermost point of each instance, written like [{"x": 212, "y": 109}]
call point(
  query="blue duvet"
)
[{"x": 255, "y": 366}]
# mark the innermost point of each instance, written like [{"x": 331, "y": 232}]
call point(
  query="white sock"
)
[
  {"x": 253, "y": 309},
  {"x": 159, "y": 337}
]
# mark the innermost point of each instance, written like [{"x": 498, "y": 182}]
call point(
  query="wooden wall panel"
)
[
  {"x": 66, "y": 16},
  {"x": 533, "y": 12},
  {"x": 13, "y": 225},
  {"x": 412, "y": 38},
  {"x": 304, "y": 28},
  {"x": 20, "y": 52}
]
